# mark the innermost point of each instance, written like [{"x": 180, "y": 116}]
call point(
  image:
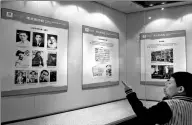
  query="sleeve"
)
[
  {"x": 159, "y": 113},
  {"x": 165, "y": 98}
]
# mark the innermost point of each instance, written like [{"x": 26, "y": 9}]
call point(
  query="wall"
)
[
  {"x": 77, "y": 14},
  {"x": 170, "y": 19}
]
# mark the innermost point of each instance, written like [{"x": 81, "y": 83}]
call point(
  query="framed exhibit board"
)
[
  {"x": 100, "y": 58},
  {"x": 162, "y": 53},
  {"x": 32, "y": 45}
]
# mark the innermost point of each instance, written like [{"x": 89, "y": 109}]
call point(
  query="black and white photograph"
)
[
  {"x": 22, "y": 58},
  {"x": 23, "y": 38},
  {"x": 53, "y": 76},
  {"x": 51, "y": 59},
  {"x": 37, "y": 58},
  {"x": 44, "y": 76},
  {"x": 51, "y": 41},
  {"x": 108, "y": 70},
  {"x": 165, "y": 55},
  {"x": 20, "y": 77},
  {"x": 161, "y": 71},
  {"x": 32, "y": 76},
  {"x": 38, "y": 39}
]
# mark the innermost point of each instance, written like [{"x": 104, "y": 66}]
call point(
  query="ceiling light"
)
[{"x": 151, "y": 5}]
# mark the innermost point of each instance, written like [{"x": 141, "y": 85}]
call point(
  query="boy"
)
[{"x": 175, "y": 109}]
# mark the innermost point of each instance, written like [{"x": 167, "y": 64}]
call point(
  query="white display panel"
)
[
  {"x": 100, "y": 57},
  {"x": 36, "y": 53},
  {"x": 162, "y": 53}
]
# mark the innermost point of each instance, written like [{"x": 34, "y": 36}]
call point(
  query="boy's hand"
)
[{"x": 127, "y": 88}]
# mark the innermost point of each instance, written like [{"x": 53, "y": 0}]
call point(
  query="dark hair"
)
[
  {"x": 22, "y": 32},
  {"x": 18, "y": 52},
  {"x": 45, "y": 71},
  {"x": 20, "y": 72},
  {"x": 184, "y": 79},
  {"x": 37, "y": 53},
  {"x": 32, "y": 72}
]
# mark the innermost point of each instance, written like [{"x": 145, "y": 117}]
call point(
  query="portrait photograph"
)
[
  {"x": 44, "y": 76},
  {"x": 23, "y": 38},
  {"x": 51, "y": 41},
  {"x": 37, "y": 58},
  {"x": 38, "y": 39},
  {"x": 20, "y": 77},
  {"x": 32, "y": 76}
]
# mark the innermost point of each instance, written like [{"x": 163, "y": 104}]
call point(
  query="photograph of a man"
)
[
  {"x": 51, "y": 41},
  {"x": 38, "y": 39},
  {"x": 32, "y": 76},
  {"x": 20, "y": 77},
  {"x": 52, "y": 59},
  {"x": 22, "y": 58},
  {"x": 22, "y": 38},
  {"x": 37, "y": 60},
  {"x": 44, "y": 76}
]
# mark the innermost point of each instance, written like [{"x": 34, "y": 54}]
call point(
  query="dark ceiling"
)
[
  {"x": 147, "y": 4},
  {"x": 127, "y": 6}
]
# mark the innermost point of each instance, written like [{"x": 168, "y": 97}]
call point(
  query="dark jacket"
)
[
  {"x": 40, "y": 44},
  {"x": 159, "y": 113},
  {"x": 37, "y": 61},
  {"x": 170, "y": 110}
]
